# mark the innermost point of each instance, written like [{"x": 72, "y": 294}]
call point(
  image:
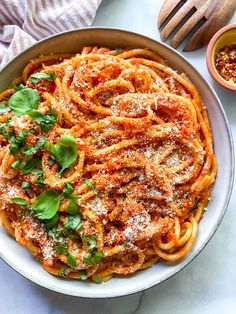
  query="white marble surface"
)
[{"x": 207, "y": 285}]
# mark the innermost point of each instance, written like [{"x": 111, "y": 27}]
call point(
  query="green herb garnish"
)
[
  {"x": 8, "y": 121},
  {"x": 50, "y": 162},
  {"x": 63, "y": 271},
  {"x": 98, "y": 279},
  {"x": 93, "y": 260},
  {"x": 70, "y": 235},
  {"x": 18, "y": 142},
  {"x": 68, "y": 190},
  {"x": 15, "y": 164},
  {"x": 42, "y": 76},
  {"x": 72, "y": 208},
  {"x": 73, "y": 223},
  {"x": 46, "y": 121},
  {"x": 83, "y": 275},
  {"x": 64, "y": 151},
  {"x": 71, "y": 260},
  {"x": 50, "y": 223},
  {"x": 24, "y": 100},
  {"x": 90, "y": 184},
  {"x": 92, "y": 243},
  {"x": 62, "y": 249},
  {"x": 20, "y": 201},
  {"x": 25, "y": 185},
  {"x": 29, "y": 151},
  {"x": 4, "y": 108},
  {"x": 40, "y": 180},
  {"x": 19, "y": 87},
  {"x": 30, "y": 165},
  {"x": 46, "y": 204}
]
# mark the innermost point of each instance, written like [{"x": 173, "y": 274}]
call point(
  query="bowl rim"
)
[
  {"x": 186, "y": 262},
  {"x": 210, "y": 65}
]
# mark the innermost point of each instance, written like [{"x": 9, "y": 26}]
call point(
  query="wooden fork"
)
[{"x": 212, "y": 14}]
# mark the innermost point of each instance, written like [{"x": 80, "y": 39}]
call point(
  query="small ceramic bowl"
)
[{"x": 224, "y": 37}]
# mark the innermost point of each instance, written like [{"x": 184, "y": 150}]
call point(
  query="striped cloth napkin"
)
[{"x": 23, "y": 22}]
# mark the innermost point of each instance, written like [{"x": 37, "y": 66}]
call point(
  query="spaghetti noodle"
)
[{"x": 106, "y": 161}]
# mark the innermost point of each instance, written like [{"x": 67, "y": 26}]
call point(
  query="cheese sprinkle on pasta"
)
[{"x": 107, "y": 162}]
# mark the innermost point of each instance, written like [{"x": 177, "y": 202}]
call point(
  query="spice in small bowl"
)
[
  {"x": 225, "y": 63},
  {"x": 221, "y": 57}
]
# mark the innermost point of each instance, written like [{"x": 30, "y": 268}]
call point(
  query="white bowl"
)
[{"x": 72, "y": 41}]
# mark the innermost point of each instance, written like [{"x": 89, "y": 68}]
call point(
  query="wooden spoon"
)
[{"x": 212, "y": 14}]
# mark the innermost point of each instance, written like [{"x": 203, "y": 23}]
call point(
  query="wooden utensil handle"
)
[{"x": 220, "y": 16}]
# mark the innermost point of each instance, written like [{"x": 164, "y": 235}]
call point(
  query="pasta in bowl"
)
[{"x": 107, "y": 162}]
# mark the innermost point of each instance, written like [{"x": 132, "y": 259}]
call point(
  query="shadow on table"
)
[{"x": 64, "y": 304}]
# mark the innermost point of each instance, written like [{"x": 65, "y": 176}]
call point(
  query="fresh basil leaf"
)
[
  {"x": 90, "y": 184},
  {"x": 98, "y": 279},
  {"x": 11, "y": 136},
  {"x": 65, "y": 151},
  {"x": 71, "y": 260},
  {"x": 24, "y": 100},
  {"x": 72, "y": 208},
  {"x": 92, "y": 243},
  {"x": 70, "y": 234},
  {"x": 42, "y": 76},
  {"x": 7, "y": 133},
  {"x": 126, "y": 244},
  {"x": 93, "y": 260},
  {"x": 50, "y": 162},
  {"x": 84, "y": 239},
  {"x": 19, "y": 87},
  {"x": 15, "y": 164},
  {"x": 14, "y": 149},
  {"x": 29, "y": 165},
  {"x": 50, "y": 223},
  {"x": 83, "y": 275},
  {"x": 32, "y": 131},
  {"x": 68, "y": 189},
  {"x": 4, "y": 132},
  {"x": 8, "y": 121},
  {"x": 62, "y": 249},
  {"x": 20, "y": 201},
  {"x": 46, "y": 121},
  {"x": 63, "y": 271},
  {"x": 40, "y": 180},
  {"x": 36, "y": 115},
  {"x": 18, "y": 142},
  {"x": 46, "y": 204},
  {"x": 50, "y": 148},
  {"x": 29, "y": 151},
  {"x": 4, "y": 108},
  {"x": 98, "y": 257},
  {"x": 25, "y": 185},
  {"x": 73, "y": 223},
  {"x": 37, "y": 172}
]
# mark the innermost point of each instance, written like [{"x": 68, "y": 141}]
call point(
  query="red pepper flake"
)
[{"x": 225, "y": 63}]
